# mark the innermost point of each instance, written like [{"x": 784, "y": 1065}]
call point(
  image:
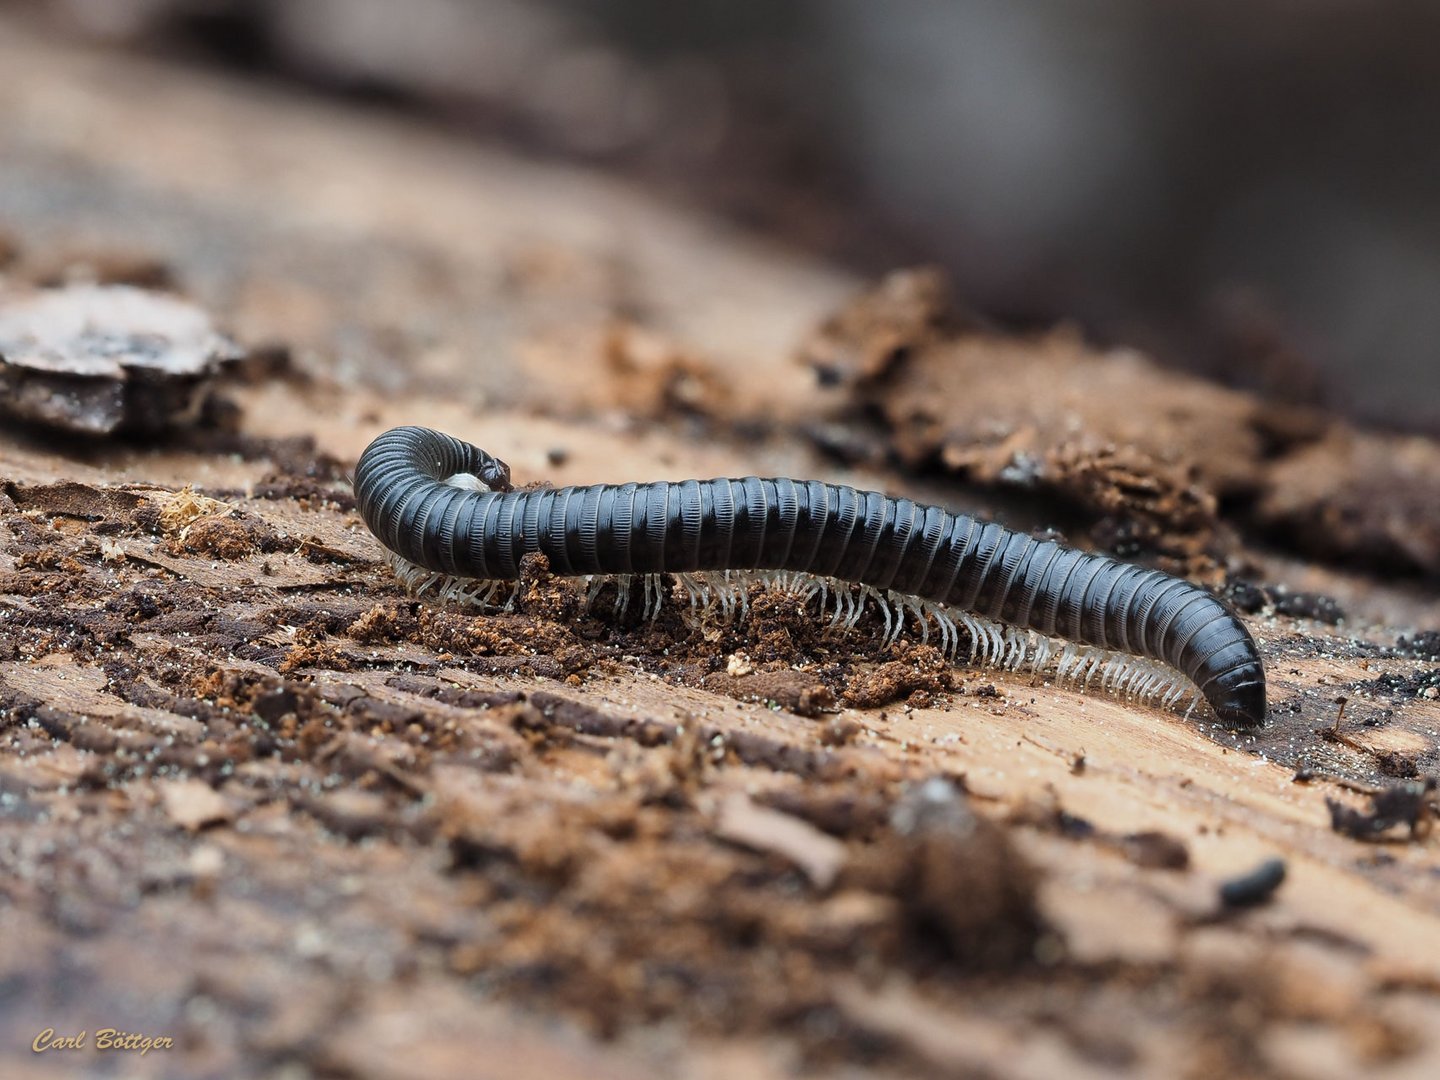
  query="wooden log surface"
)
[{"x": 256, "y": 799}]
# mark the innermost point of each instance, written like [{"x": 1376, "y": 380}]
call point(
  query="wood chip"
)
[
  {"x": 193, "y": 804},
  {"x": 742, "y": 821}
]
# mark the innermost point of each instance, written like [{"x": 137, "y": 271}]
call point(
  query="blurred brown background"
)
[{"x": 1247, "y": 190}]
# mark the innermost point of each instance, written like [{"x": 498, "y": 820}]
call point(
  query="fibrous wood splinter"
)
[{"x": 446, "y": 512}]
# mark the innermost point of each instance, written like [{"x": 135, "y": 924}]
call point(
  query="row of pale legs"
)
[{"x": 724, "y": 595}]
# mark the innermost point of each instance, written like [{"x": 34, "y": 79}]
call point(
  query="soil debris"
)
[
  {"x": 1411, "y": 804},
  {"x": 802, "y": 693},
  {"x": 85, "y": 502},
  {"x": 1155, "y": 850},
  {"x": 920, "y": 675},
  {"x": 1306, "y": 605},
  {"x": 959, "y": 877},
  {"x": 1045, "y": 415},
  {"x": 1250, "y": 598},
  {"x": 1419, "y": 684},
  {"x": 1151, "y": 849},
  {"x": 1423, "y": 646},
  {"x": 220, "y": 536},
  {"x": 1144, "y": 507}
]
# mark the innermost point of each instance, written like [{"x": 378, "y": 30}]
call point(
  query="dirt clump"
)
[
  {"x": 921, "y": 673},
  {"x": 219, "y": 536},
  {"x": 958, "y": 877},
  {"x": 801, "y": 692}
]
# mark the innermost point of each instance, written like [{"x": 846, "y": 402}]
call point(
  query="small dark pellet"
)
[{"x": 1254, "y": 888}]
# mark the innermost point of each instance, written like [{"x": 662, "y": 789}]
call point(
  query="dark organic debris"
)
[
  {"x": 963, "y": 883},
  {"x": 1423, "y": 646},
  {"x": 1245, "y": 597},
  {"x": 1251, "y": 599},
  {"x": 1150, "y": 849},
  {"x": 1420, "y": 684},
  {"x": 1305, "y": 605},
  {"x": 1410, "y": 803},
  {"x": 100, "y": 359},
  {"x": 74, "y": 500},
  {"x": 802, "y": 693},
  {"x": 1155, "y": 850},
  {"x": 1253, "y": 888}
]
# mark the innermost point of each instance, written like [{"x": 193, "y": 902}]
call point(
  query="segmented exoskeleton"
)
[{"x": 446, "y": 511}]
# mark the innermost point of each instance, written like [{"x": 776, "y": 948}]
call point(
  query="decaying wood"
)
[
  {"x": 98, "y": 359},
  {"x": 371, "y": 836}
]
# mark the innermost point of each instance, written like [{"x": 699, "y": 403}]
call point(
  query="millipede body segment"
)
[{"x": 446, "y": 510}]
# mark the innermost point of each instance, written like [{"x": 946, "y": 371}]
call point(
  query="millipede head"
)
[
  {"x": 1241, "y": 700},
  {"x": 494, "y": 473}
]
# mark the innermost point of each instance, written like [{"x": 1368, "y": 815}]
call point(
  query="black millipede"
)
[{"x": 448, "y": 515}]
